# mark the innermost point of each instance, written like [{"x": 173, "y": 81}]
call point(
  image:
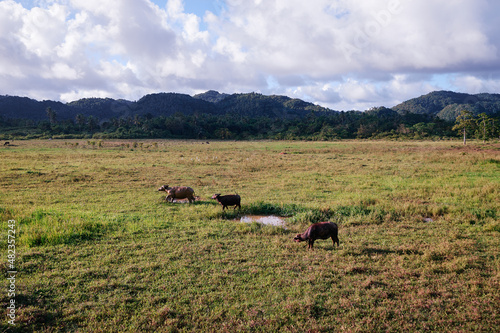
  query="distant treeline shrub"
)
[{"x": 378, "y": 123}]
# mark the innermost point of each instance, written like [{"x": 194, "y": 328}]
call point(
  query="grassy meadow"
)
[{"x": 99, "y": 250}]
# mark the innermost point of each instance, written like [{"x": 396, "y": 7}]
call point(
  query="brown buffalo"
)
[
  {"x": 178, "y": 192},
  {"x": 321, "y": 230},
  {"x": 228, "y": 200}
]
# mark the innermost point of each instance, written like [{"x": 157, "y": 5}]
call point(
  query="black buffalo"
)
[
  {"x": 228, "y": 200},
  {"x": 321, "y": 230}
]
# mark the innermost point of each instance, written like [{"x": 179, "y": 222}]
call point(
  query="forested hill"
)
[
  {"x": 258, "y": 105},
  {"x": 211, "y": 96},
  {"x": 442, "y": 104},
  {"x": 447, "y": 104},
  {"x": 213, "y": 115},
  {"x": 161, "y": 104},
  {"x": 14, "y": 107}
]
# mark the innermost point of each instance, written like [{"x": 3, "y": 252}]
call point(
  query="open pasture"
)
[{"x": 99, "y": 250}]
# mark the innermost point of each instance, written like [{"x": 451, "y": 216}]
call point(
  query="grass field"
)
[{"x": 99, "y": 250}]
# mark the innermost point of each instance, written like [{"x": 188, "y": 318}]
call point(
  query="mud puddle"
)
[{"x": 267, "y": 220}]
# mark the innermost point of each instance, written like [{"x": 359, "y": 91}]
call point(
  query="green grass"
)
[{"x": 99, "y": 250}]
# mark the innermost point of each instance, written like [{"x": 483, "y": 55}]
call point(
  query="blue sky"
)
[
  {"x": 197, "y": 7},
  {"x": 343, "y": 54}
]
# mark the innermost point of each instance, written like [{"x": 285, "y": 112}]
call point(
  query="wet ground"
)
[{"x": 268, "y": 220}]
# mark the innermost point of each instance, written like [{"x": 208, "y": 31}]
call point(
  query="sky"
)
[{"x": 341, "y": 54}]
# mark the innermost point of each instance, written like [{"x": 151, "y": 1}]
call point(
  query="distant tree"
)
[
  {"x": 495, "y": 124},
  {"x": 137, "y": 121},
  {"x": 80, "y": 120},
  {"x": 465, "y": 123},
  {"x": 52, "y": 115},
  {"x": 420, "y": 129},
  {"x": 223, "y": 133},
  {"x": 44, "y": 126},
  {"x": 93, "y": 123},
  {"x": 402, "y": 129},
  {"x": 365, "y": 131},
  {"x": 115, "y": 122},
  {"x": 485, "y": 127}
]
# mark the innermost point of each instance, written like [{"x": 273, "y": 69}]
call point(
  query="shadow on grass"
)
[
  {"x": 31, "y": 314},
  {"x": 375, "y": 251},
  {"x": 197, "y": 202},
  {"x": 260, "y": 209},
  {"x": 386, "y": 251}
]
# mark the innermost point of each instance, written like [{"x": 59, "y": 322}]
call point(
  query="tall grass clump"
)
[
  {"x": 265, "y": 208},
  {"x": 48, "y": 228}
]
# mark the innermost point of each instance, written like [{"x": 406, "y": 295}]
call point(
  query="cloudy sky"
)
[{"x": 343, "y": 54}]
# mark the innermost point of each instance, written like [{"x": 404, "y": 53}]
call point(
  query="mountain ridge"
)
[{"x": 445, "y": 105}]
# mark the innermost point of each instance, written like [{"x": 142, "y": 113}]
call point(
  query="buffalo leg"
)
[{"x": 335, "y": 240}]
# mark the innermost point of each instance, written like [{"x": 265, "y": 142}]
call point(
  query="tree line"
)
[
  {"x": 481, "y": 126},
  {"x": 377, "y": 123}
]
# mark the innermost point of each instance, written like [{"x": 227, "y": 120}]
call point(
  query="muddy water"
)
[{"x": 268, "y": 220}]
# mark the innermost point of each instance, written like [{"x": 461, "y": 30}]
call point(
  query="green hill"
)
[
  {"x": 447, "y": 104},
  {"x": 274, "y": 106}
]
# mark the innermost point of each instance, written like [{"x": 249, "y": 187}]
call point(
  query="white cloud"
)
[
  {"x": 76, "y": 95},
  {"x": 43, "y": 29},
  {"x": 362, "y": 49},
  {"x": 477, "y": 84},
  {"x": 231, "y": 49},
  {"x": 62, "y": 71},
  {"x": 344, "y": 54}
]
